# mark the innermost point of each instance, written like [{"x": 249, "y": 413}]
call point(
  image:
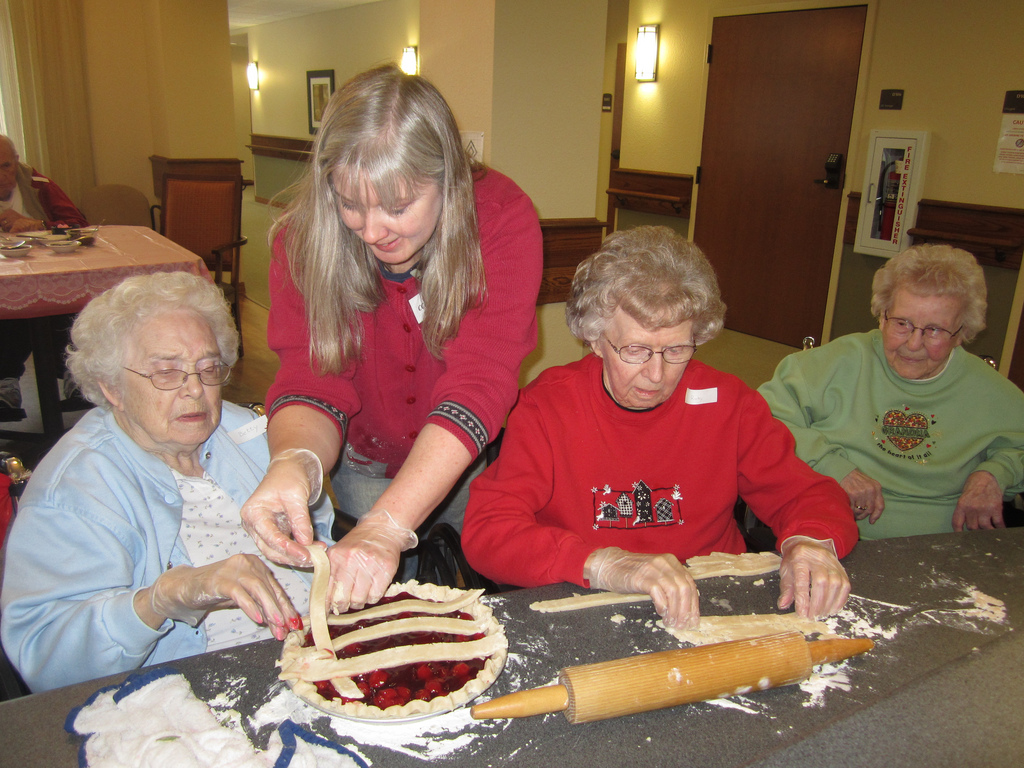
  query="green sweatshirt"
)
[{"x": 849, "y": 410}]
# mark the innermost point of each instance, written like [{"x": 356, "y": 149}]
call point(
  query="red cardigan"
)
[
  {"x": 381, "y": 404},
  {"x": 578, "y": 473}
]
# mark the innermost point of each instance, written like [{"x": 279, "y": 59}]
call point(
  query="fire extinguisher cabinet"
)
[{"x": 893, "y": 184}]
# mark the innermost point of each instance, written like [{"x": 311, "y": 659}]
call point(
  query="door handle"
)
[{"x": 833, "y": 171}]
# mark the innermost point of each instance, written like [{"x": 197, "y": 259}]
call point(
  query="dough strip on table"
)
[
  {"x": 318, "y": 600},
  {"x": 700, "y": 567}
]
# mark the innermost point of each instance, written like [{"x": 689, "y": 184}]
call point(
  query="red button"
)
[
  {"x": 401, "y": 289},
  {"x": 410, "y": 368},
  {"x": 413, "y": 434},
  {"x": 407, "y": 327},
  {"x": 410, "y": 400}
]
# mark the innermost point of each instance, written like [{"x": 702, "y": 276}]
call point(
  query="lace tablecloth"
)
[{"x": 48, "y": 283}]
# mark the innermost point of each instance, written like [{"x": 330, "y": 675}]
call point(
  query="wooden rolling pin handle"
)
[
  {"x": 837, "y": 649},
  {"x": 538, "y": 701}
]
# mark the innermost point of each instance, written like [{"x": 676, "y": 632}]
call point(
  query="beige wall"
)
[
  {"x": 348, "y": 41},
  {"x": 459, "y": 59},
  {"x": 954, "y": 60},
  {"x": 159, "y": 80}
]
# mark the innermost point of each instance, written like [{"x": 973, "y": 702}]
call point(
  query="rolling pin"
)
[{"x": 657, "y": 680}]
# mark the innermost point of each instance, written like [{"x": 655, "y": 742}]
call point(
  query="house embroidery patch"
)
[{"x": 639, "y": 507}]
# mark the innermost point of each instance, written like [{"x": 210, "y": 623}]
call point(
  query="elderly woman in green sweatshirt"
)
[{"x": 923, "y": 436}]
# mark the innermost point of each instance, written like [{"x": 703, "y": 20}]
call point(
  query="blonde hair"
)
[
  {"x": 935, "y": 270},
  {"x": 393, "y": 132},
  {"x": 101, "y": 332},
  {"x": 654, "y": 275}
]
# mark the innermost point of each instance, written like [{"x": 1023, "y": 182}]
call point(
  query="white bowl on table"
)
[
  {"x": 64, "y": 246},
  {"x": 15, "y": 251}
]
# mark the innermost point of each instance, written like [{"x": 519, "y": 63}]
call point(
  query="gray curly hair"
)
[
  {"x": 100, "y": 333},
  {"x": 935, "y": 270},
  {"x": 655, "y": 275}
]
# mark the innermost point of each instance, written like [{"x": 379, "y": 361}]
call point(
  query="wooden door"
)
[{"x": 780, "y": 98}]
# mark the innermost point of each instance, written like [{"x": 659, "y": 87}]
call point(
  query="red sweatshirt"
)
[
  {"x": 578, "y": 473},
  {"x": 381, "y": 404}
]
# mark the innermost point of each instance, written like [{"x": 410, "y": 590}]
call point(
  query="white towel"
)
[{"x": 153, "y": 719}]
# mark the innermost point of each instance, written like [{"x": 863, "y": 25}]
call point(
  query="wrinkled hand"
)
[
  {"x": 365, "y": 560},
  {"x": 13, "y": 222},
  {"x": 186, "y": 594},
  {"x": 811, "y": 576},
  {"x": 276, "y": 516},
  {"x": 865, "y": 496},
  {"x": 663, "y": 577},
  {"x": 980, "y": 504}
]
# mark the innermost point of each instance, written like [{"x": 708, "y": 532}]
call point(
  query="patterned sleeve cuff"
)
[
  {"x": 339, "y": 416},
  {"x": 467, "y": 422}
]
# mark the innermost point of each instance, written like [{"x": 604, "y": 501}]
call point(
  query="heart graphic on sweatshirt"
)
[{"x": 905, "y": 430}]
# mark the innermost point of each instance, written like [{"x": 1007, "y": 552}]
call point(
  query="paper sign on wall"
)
[{"x": 1010, "y": 149}]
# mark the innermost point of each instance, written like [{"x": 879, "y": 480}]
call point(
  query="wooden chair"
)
[
  {"x": 13, "y": 477},
  {"x": 204, "y": 215}
]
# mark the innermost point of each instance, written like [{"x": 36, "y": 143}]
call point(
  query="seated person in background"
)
[
  {"x": 923, "y": 436},
  {"x": 616, "y": 468},
  {"x": 28, "y": 202},
  {"x": 128, "y": 533}
]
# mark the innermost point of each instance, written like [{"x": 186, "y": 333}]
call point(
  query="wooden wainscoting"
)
[{"x": 567, "y": 242}]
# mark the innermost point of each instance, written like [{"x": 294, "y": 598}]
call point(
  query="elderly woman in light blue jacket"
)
[{"x": 127, "y": 549}]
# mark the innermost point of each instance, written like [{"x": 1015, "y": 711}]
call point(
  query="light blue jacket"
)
[{"x": 98, "y": 521}]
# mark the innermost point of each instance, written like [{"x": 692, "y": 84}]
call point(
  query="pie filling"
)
[
  {"x": 393, "y": 686},
  {"x": 420, "y": 657}
]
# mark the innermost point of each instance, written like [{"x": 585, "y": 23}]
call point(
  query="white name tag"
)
[
  {"x": 247, "y": 432},
  {"x": 419, "y": 309},
  {"x": 701, "y": 396}
]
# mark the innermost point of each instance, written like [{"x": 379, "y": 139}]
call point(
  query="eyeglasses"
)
[
  {"x": 172, "y": 378},
  {"x": 904, "y": 328},
  {"x": 637, "y": 354}
]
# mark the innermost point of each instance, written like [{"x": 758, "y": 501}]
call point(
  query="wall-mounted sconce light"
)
[
  {"x": 252, "y": 73},
  {"x": 410, "y": 62},
  {"x": 647, "y": 53}
]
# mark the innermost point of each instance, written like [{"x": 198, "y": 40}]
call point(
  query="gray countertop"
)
[{"x": 940, "y": 688}]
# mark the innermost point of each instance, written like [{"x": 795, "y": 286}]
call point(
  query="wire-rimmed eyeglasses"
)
[
  {"x": 173, "y": 378},
  {"x": 637, "y": 354},
  {"x": 904, "y": 328}
]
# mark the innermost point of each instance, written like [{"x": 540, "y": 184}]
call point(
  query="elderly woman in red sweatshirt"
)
[{"x": 616, "y": 469}]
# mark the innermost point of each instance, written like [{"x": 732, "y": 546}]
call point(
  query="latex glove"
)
[
  {"x": 185, "y": 593},
  {"x": 865, "y": 495},
  {"x": 980, "y": 505},
  {"x": 276, "y": 516},
  {"x": 812, "y": 576},
  {"x": 663, "y": 577},
  {"x": 365, "y": 560}
]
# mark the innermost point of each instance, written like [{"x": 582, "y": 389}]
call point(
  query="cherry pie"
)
[{"x": 422, "y": 649}]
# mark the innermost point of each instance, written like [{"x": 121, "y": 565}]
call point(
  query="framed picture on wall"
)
[{"x": 319, "y": 87}]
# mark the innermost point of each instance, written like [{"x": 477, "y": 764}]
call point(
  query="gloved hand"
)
[
  {"x": 365, "y": 560},
  {"x": 278, "y": 509},
  {"x": 865, "y": 496},
  {"x": 812, "y": 576},
  {"x": 185, "y": 593},
  {"x": 663, "y": 577}
]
